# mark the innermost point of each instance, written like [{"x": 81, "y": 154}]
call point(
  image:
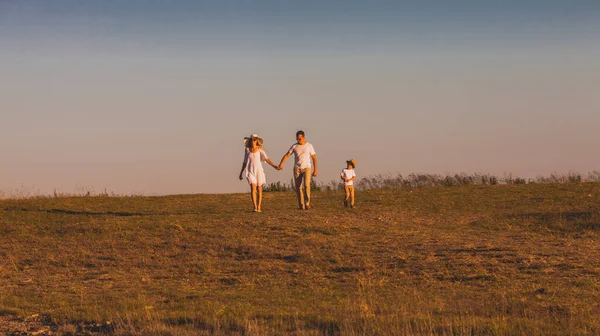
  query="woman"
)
[{"x": 252, "y": 166}]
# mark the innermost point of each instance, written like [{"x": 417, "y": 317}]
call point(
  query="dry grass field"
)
[{"x": 462, "y": 260}]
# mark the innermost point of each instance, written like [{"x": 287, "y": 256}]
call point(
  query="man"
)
[{"x": 303, "y": 153}]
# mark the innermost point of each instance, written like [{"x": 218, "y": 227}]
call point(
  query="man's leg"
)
[
  {"x": 298, "y": 185},
  {"x": 307, "y": 175}
]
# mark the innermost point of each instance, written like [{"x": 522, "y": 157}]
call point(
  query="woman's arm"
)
[
  {"x": 267, "y": 160},
  {"x": 241, "y": 171},
  {"x": 245, "y": 162}
]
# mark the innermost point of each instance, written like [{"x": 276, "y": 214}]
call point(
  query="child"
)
[
  {"x": 348, "y": 175},
  {"x": 252, "y": 166}
]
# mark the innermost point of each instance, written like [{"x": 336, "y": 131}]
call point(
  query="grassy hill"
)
[{"x": 498, "y": 260}]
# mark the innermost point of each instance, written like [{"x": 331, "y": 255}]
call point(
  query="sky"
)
[{"x": 150, "y": 97}]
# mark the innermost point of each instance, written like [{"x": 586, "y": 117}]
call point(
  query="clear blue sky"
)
[{"x": 154, "y": 97}]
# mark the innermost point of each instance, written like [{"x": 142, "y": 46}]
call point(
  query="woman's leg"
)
[
  {"x": 253, "y": 194},
  {"x": 259, "y": 190}
]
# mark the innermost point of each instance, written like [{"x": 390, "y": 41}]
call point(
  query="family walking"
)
[{"x": 305, "y": 167}]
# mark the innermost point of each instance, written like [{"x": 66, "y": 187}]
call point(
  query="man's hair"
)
[{"x": 300, "y": 133}]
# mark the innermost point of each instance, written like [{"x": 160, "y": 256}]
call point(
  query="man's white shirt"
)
[{"x": 302, "y": 155}]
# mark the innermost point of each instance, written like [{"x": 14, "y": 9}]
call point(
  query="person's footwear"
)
[
  {"x": 352, "y": 206},
  {"x": 345, "y": 203},
  {"x": 258, "y": 210},
  {"x": 308, "y": 206}
]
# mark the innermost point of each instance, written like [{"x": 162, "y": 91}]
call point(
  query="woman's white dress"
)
[{"x": 254, "y": 169}]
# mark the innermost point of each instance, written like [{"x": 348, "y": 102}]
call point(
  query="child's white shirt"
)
[{"x": 348, "y": 174}]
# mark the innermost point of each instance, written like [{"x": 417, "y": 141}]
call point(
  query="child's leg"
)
[
  {"x": 259, "y": 190},
  {"x": 352, "y": 196},
  {"x": 347, "y": 196},
  {"x": 253, "y": 194}
]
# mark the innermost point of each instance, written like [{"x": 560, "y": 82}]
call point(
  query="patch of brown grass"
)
[{"x": 501, "y": 259}]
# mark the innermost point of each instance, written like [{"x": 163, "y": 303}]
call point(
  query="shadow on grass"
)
[
  {"x": 224, "y": 326},
  {"x": 570, "y": 221},
  {"x": 108, "y": 213},
  {"x": 563, "y": 221},
  {"x": 547, "y": 217},
  {"x": 347, "y": 269},
  {"x": 324, "y": 325},
  {"x": 96, "y": 327}
]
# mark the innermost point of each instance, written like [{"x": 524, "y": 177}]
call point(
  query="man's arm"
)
[
  {"x": 283, "y": 159},
  {"x": 314, "y": 159}
]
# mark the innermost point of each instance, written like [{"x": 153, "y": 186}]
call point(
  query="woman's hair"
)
[{"x": 249, "y": 144}]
